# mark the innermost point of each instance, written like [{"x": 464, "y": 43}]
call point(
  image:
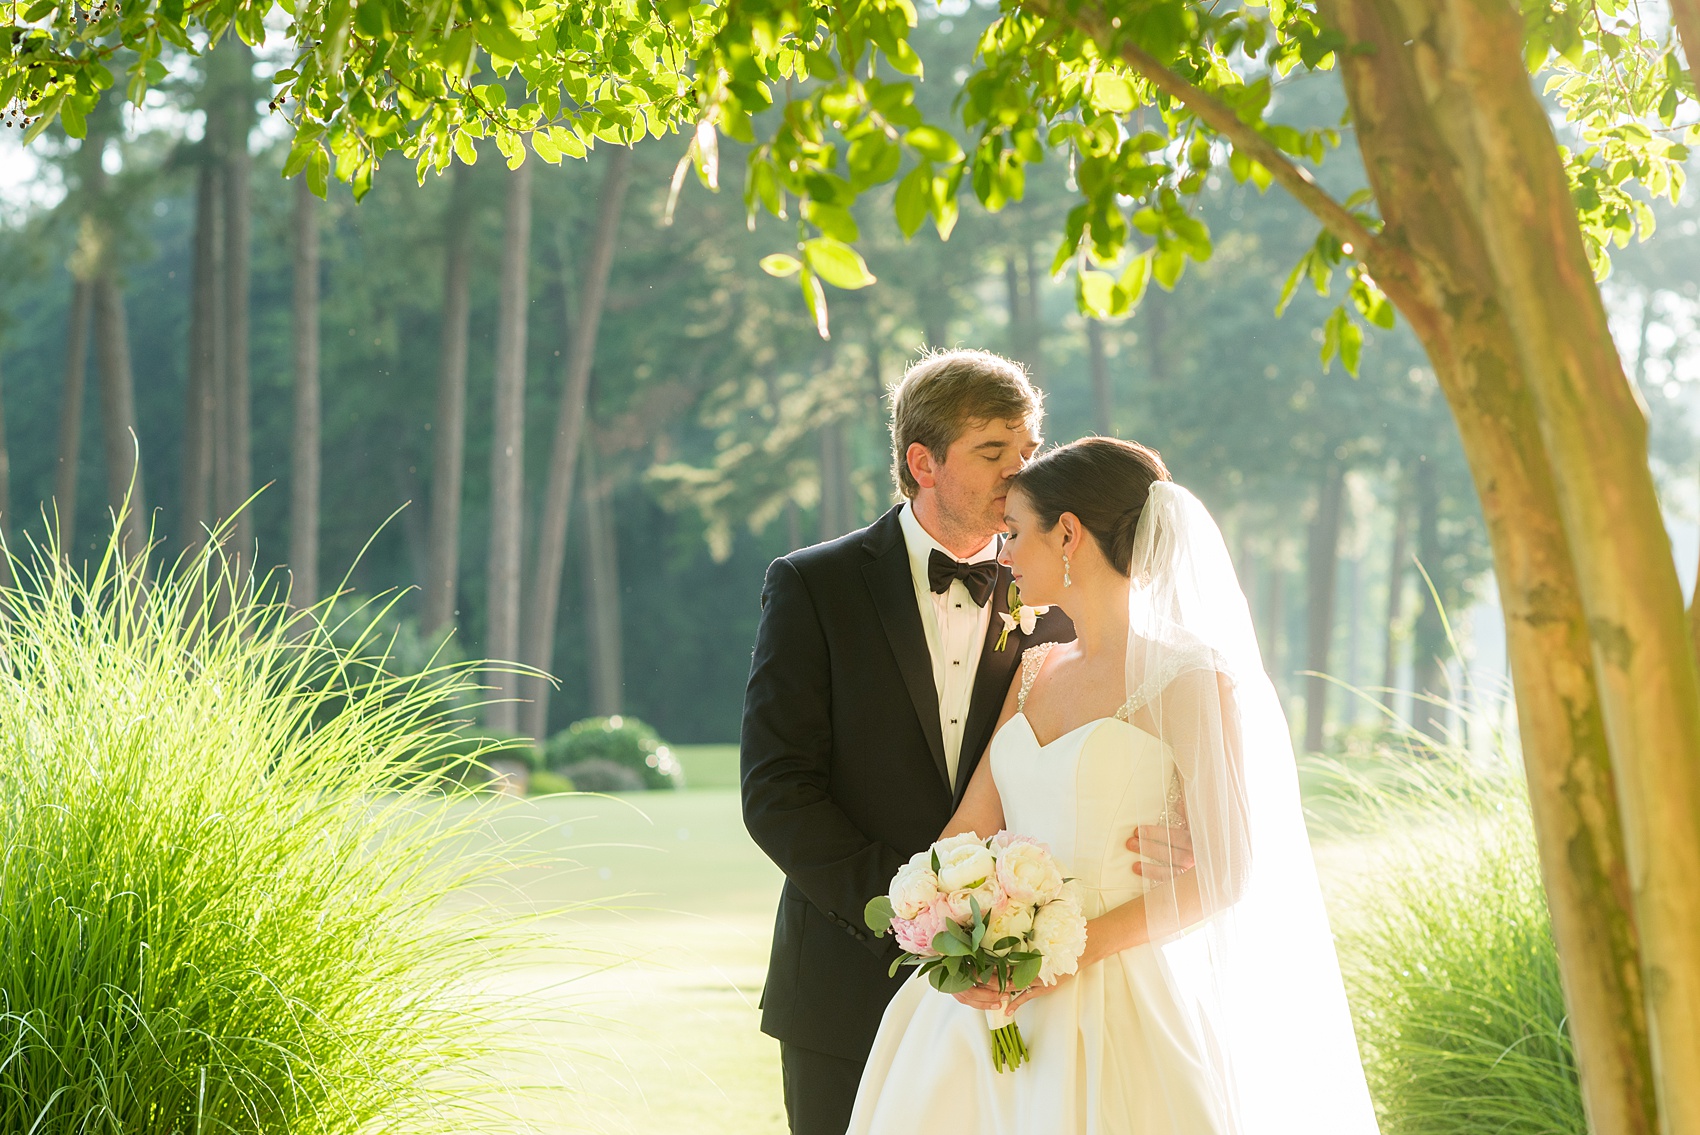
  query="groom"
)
[{"x": 876, "y": 683}]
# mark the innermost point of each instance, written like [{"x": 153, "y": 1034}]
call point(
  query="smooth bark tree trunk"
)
[
  {"x": 1595, "y": 433},
  {"x": 1322, "y": 572},
  {"x": 448, "y": 441},
  {"x": 1429, "y": 647},
  {"x": 204, "y": 309},
  {"x": 124, "y": 489},
  {"x": 1103, "y": 402},
  {"x": 1437, "y": 269},
  {"x": 602, "y": 594},
  {"x": 238, "y": 224},
  {"x": 304, "y": 450},
  {"x": 507, "y": 453},
  {"x": 71, "y": 416},
  {"x": 1398, "y": 554},
  {"x": 569, "y": 431}
]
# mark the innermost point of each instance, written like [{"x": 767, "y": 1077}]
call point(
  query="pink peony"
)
[{"x": 916, "y": 934}]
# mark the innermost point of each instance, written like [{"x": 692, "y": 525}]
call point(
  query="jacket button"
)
[{"x": 832, "y": 916}]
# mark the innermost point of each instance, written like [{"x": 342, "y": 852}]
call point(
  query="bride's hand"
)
[
  {"x": 982, "y": 996},
  {"x": 1038, "y": 990}
]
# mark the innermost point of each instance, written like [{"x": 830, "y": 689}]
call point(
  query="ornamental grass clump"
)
[
  {"x": 1447, "y": 948},
  {"x": 222, "y": 908}
]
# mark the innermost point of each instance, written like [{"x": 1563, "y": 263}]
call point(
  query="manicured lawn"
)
[
  {"x": 647, "y": 1013},
  {"x": 660, "y": 909}
]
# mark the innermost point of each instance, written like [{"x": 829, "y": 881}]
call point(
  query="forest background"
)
[{"x": 720, "y": 429}]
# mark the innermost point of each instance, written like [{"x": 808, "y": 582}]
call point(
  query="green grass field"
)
[{"x": 659, "y": 908}]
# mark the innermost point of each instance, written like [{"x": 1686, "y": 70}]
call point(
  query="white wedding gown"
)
[{"x": 1112, "y": 1051}]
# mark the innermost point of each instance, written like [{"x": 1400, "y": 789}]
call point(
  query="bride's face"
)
[{"x": 1035, "y": 557}]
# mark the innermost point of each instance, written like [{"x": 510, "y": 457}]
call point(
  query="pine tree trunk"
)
[
  {"x": 602, "y": 594},
  {"x": 204, "y": 317},
  {"x": 448, "y": 446},
  {"x": 71, "y": 416},
  {"x": 1354, "y": 633},
  {"x": 6, "y": 549},
  {"x": 569, "y": 431},
  {"x": 1276, "y": 614},
  {"x": 1429, "y": 648},
  {"x": 304, "y": 456},
  {"x": 1322, "y": 573},
  {"x": 124, "y": 490},
  {"x": 1444, "y": 283},
  {"x": 1103, "y": 405},
  {"x": 1398, "y": 556},
  {"x": 830, "y": 436},
  {"x": 1596, "y": 438},
  {"x": 507, "y": 453},
  {"x": 238, "y": 224}
]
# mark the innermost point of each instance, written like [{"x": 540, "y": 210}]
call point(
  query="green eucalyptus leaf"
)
[{"x": 837, "y": 263}]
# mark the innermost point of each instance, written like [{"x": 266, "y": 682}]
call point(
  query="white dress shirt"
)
[{"x": 956, "y": 632}]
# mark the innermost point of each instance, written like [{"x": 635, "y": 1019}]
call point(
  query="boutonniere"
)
[{"x": 1017, "y": 616}]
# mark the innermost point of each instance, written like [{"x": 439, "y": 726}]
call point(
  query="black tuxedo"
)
[{"x": 843, "y": 770}]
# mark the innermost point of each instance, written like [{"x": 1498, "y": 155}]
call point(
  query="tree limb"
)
[{"x": 1220, "y": 117}]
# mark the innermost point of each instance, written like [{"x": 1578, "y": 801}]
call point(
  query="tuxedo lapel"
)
[
  {"x": 991, "y": 684},
  {"x": 893, "y": 590}
]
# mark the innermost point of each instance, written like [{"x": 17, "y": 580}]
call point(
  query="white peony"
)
[
  {"x": 1027, "y": 872},
  {"x": 1010, "y": 920},
  {"x": 961, "y": 911},
  {"x": 914, "y": 887},
  {"x": 1059, "y": 934},
  {"x": 965, "y": 862}
]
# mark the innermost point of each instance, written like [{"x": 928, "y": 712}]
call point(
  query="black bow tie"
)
[{"x": 979, "y": 577}]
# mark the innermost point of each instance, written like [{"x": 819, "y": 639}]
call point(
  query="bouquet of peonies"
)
[{"x": 970, "y": 910}]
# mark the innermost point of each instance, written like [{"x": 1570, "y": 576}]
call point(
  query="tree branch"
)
[{"x": 1220, "y": 117}]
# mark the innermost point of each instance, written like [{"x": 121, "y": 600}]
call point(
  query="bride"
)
[{"x": 1208, "y": 1003}]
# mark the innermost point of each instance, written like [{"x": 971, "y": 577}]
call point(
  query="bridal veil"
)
[{"x": 1244, "y": 935}]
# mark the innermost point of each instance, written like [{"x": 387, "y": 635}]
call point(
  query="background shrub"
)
[
  {"x": 623, "y": 741},
  {"x": 598, "y": 775},
  {"x": 222, "y": 906},
  {"x": 1447, "y": 949}
]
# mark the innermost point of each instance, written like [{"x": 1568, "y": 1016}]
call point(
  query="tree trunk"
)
[
  {"x": 448, "y": 446},
  {"x": 1103, "y": 405},
  {"x": 201, "y": 444},
  {"x": 1035, "y": 313},
  {"x": 833, "y": 524},
  {"x": 1155, "y": 307},
  {"x": 71, "y": 417},
  {"x": 569, "y": 431},
  {"x": 118, "y": 413},
  {"x": 5, "y": 505},
  {"x": 1687, "y": 18},
  {"x": 1429, "y": 646},
  {"x": 238, "y": 223},
  {"x": 1400, "y": 552},
  {"x": 602, "y": 594},
  {"x": 1322, "y": 573},
  {"x": 1276, "y": 616},
  {"x": 1441, "y": 278},
  {"x": 1595, "y": 433},
  {"x": 1354, "y": 633},
  {"x": 507, "y": 453},
  {"x": 304, "y": 456}
]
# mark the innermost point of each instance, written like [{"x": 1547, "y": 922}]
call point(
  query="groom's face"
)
[{"x": 973, "y": 479}]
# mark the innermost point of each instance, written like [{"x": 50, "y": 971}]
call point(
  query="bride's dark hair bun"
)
[{"x": 1102, "y": 480}]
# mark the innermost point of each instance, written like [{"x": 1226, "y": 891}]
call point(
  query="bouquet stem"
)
[{"x": 1009, "y": 1050}]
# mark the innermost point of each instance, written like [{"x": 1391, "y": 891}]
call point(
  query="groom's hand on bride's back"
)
[{"x": 1165, "y": 852}]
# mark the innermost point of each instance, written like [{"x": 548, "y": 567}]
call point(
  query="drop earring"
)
[{"x": 1067, "y": 582}]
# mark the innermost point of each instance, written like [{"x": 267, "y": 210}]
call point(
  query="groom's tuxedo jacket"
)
[{"x": 844, "y": 768}]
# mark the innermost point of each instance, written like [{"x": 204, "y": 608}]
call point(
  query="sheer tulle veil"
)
[{"x": 1244, "y": 936}]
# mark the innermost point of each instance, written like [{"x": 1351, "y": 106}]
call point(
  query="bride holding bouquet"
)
[{"x": 1208, "y": 1003}]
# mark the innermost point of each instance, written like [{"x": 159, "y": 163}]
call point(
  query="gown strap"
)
[{"x": 1032, "y": 660}]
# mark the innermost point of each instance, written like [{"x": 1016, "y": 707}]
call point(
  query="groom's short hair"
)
[{"x": 946, "y": 393}]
